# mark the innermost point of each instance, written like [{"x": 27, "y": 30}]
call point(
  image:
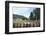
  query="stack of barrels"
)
[{"x": 29, "y": 24}]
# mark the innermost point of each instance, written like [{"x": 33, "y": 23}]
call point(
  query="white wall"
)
[{"x": 2, "y": 17}]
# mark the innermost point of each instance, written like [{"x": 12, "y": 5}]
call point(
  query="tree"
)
[
  {"x": 31, "y": 15},
  {"x": 35, "y": 14}
]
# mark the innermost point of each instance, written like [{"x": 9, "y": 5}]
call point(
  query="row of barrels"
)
[{"x": 17, "y": 25}]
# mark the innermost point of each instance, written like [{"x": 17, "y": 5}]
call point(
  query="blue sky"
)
[{"x": 25, "y": 11}]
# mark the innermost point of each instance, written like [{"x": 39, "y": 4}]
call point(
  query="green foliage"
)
[
  {"x": 24, "y": 18},
  {"x": 34, "y": 14},
  {"x": 37, "y": 13},
  {"x": 31, "y": 16}
]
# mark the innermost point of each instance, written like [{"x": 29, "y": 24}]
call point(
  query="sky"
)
[{"x": 24, "y": 11}]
